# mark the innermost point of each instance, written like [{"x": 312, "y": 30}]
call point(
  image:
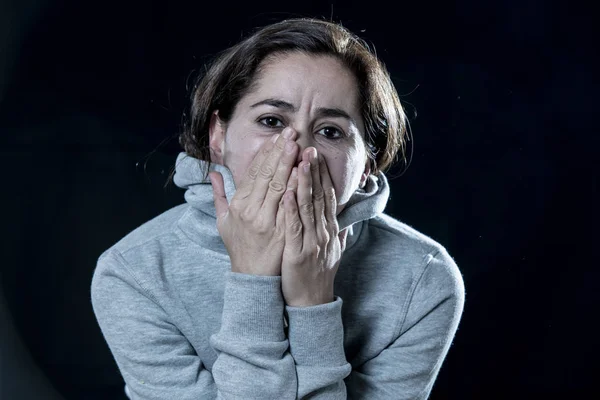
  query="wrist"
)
[
  {"x": 248, "y": 270},
  {"x": 310, "y": 302}
]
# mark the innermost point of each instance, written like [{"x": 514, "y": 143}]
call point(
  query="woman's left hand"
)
[{"x": 313, "y": 243}]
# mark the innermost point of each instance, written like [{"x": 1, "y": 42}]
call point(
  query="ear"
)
[
  {"x": 216, "y": 134},
  {"x": 365, "y": 174}
]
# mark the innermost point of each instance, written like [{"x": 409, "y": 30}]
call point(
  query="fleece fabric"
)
[{"x": 182, "y": 326}]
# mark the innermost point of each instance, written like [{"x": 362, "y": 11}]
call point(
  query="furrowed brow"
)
[
  {"x": 334, "y": 113},
  {"x": 275, "y": 103},
  {"x": 321, "y": 112}
]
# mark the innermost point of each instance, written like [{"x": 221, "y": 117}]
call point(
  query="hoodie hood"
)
[{"x": 364, "y": 203}]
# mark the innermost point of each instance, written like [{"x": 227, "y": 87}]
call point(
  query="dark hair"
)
[{"x": 231, "y": 75}]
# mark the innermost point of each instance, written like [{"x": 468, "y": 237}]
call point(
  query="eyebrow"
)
[{"x": 321, "y": 111}]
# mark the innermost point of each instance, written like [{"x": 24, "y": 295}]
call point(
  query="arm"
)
[
  {"x": 316, "y": 336},
  {"x": 254, "y": 361},
  {"x": 158, "y": 362},
  {"x": 408, "y": 367}
]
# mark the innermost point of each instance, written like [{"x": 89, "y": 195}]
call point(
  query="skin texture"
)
[{"x": 307, "y": 82}]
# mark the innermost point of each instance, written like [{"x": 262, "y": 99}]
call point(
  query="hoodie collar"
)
[{"x": 364, "y": 203}]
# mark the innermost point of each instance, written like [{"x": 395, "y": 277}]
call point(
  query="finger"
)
[
  {"x": 292, "y": 186},
  {"x": 329, "y": 204},
  {"x": 278, "y": 183},
  {"x": 280, "y": 221},
  {"x": 305, "y": 204},
  {"x": 293, "y": 224},
  {"x": 248, "y": 182},
  {"x": 266, "y": 172},
  {"x": 293, "y": 181},
  {"x": 221, "y": 205},
  {"x": 328, "y": 192},
  {"x": 317, "y": 195}
]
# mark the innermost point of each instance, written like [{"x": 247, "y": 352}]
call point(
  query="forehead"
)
[{"x": 317, "y": 80}]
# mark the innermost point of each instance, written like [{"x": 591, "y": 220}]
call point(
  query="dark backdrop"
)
[{"x": 501, "y": 97}]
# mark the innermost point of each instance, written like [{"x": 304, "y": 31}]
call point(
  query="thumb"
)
[{"x": 221, "y": 205}]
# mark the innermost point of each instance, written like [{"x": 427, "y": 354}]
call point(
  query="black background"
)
[{"x": 501, "y": 97}]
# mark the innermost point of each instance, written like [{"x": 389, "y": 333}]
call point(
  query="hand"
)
[
  {"x": 253, "y": 225},
  {"x": 313, "y": 243}
]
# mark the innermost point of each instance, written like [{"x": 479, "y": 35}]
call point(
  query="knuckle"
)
[
  {"x": 326, "y": 235},
  {"x": 307, "y": 208},
  {"x": 276, "y": 187},
  {"x": 234, "y": 207},
  {"x": 296, "y": 228},
  {"x": 318, "y": 195},
  {"x": 334, "y": 229},
  {"x": 261, "y": 228},
  {"x": 253, "y": 171},
  {"x": 266, "y": 171},
  {"x": 246, "y": 214},
  {"x": 322, "y": 226},
  {"x": 329, "y": 194},
  {"x": 313, "y": 250}
]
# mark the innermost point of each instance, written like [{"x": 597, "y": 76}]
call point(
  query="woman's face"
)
[{"x": 315, "y": 95}]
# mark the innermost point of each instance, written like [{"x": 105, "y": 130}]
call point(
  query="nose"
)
[{"x": 304, "y": 141}]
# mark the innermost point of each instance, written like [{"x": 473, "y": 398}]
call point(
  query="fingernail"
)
[
  {"x": 313, "y": 154},
  {"x": 275, "y": 137},
  {"x": 306, "y": 167},
  {"x": 287, "y": 133}
]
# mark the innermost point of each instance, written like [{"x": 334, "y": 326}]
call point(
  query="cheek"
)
[
  {"x": 345, "y": 170},
  {"x": 341, "y": 172},
  {"x": 239, "y": 154}
]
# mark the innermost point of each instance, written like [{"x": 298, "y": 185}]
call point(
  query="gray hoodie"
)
[{"x": 181, "y": 325}]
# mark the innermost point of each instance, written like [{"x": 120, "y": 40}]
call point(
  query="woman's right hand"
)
[{"x": 253, "y": 225}]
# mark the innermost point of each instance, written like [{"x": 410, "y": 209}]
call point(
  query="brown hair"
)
[{"x": 231, "y": 75}]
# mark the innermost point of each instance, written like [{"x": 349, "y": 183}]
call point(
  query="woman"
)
[{"x": 238, "y": 293}]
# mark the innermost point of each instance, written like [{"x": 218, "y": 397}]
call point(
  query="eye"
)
[
  {"x": 271, "y": 122},
  {"x": 332, "y": 133}
]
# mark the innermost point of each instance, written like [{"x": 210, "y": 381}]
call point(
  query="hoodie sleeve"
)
[
  {"x": 158, "y": 362},
  {"x": 408, "y": 367},
  {"x": 316, "y": 336}
]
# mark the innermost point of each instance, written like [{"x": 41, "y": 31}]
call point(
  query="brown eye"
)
[
  {"x": 332, "y": 133},
  {"x": 271, "y": 122}
]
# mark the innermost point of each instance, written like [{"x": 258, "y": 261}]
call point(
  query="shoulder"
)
[
  {"x": 401, "y": 231},
  {"x": 146, "y": 245},
  {"x": 432, "y": 277},
  {"x": 391, "y": 237},
  {"x": 157, "y": 228},
  {"x": 407, "y": 248}
]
